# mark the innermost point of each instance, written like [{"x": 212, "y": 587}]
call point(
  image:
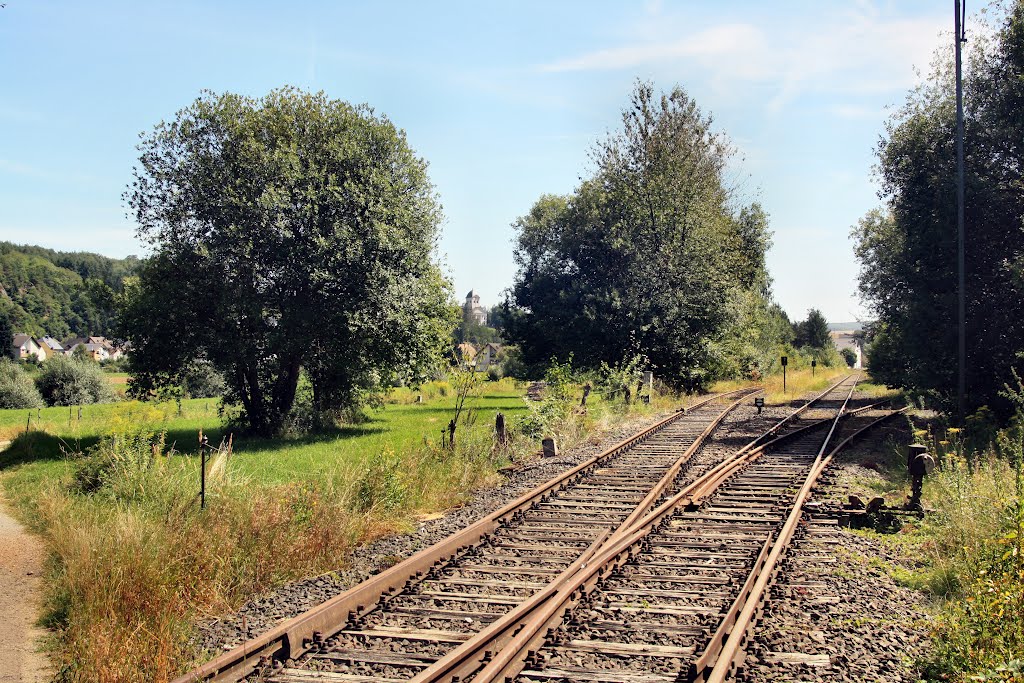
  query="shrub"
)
[
  {"x": 201, "y": 380},
  {"x": 16, "y": 387},
  {"x": 849, "y": 355},
  {"x": 67, "y": 381}
]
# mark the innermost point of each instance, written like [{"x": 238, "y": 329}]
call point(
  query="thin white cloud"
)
[
  {"x": 858, "y": 51},
  {"x": 716, "y": 41}
]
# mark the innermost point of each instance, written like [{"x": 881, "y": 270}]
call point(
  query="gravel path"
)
[{"x": 21, "y": 566}]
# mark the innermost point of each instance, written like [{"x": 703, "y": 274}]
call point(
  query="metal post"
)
[
  {"x": 204, "y": 442},
  {"x": 202, "y": 478},
  {"x": 959, "y": 38}
]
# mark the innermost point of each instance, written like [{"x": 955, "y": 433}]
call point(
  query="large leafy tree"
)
[
  {"x": 647, "y": 257},
  {"x": 908, "y": 251},
  {"x": 292, "y": 234},
  {"x": 813, "y": 332}
]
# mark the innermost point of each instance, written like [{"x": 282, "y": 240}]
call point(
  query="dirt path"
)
[{"x": 21, "y": 565}]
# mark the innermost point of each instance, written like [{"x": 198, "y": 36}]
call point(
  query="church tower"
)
[{"x": 472, "y": 311}]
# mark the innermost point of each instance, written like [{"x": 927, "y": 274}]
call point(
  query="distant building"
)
[
  {"x": 23, "y": 347},
  {"x": 849, "y": 339},
  {"x": 465, "y": 351},
  {"x": 98, "y": 348},
  {"x": 488, "y": 355},
  {"x": 472, "y": 311},
  {"x": 50, "y": 346}
]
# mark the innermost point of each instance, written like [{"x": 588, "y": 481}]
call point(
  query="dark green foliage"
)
[
  {"x": 201, "y": 380},
  {"x": 6, "y": 333},
  {"x": 17, "y": 390},
  {"x": 291, "y": 234},
  {"x": 646, "y": 257},
  {"x": 908, "y": 252},
  {"x": 46, "y": 292},
  {"x": 475, "y": 333},
  {"x": 65, "y": 381},
  {"x": 849, "y": 355},
  {"x": 813, "y": 332}
]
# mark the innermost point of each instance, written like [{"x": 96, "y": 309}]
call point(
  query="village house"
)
[
  {"x": 465, "y": 352},
  {"x": 97, "y": 348},
  {"x": 50, "y": 346},
  {"x": 488, "y": 355},
  {"x": 25, "y": 347}
]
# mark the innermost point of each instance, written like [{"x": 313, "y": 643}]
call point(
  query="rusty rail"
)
[
  {"x": 718, "y": 660},
  {"x": 294, "y": 637},
  {"x": 543, "y": 611}
]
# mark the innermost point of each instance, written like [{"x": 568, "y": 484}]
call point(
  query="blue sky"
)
[{"x": 504, "y": 101}]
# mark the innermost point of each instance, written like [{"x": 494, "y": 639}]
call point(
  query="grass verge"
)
[
  {"x": 967, "y": 551},
  {"x": 134, "y": 563}
]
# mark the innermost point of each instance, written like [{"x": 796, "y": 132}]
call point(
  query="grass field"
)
[
  {"x": 398, "y": 425},
  {"x": 134, "y": 562}
]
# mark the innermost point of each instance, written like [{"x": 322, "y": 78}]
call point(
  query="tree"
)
[
  {"x": 292, "y": 235},
  {"x": 6, "y": 333},
  {"x": 908, "y": 251},
  {"x": 813, "y": 332},
  {"x": 646, "y": 257}
]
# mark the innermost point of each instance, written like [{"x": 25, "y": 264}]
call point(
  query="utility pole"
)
[{"x": 959, "y": 39}]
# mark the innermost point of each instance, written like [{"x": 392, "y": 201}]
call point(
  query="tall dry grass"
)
[
  {"x": 134, "y": 563},
  {"x": 971, "y": 549}
]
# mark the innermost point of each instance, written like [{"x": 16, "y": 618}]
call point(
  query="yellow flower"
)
[{"x": 953, "y": 430}]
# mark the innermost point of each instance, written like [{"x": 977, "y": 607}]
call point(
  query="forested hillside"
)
[{"x": 59, "y": 293}]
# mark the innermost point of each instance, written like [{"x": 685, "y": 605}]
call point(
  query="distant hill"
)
[
  {"x": 845, "y": 326},
  {"x": 61, "y": 294}
]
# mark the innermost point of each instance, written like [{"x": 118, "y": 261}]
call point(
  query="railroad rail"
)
[
  {"x": 645, "y": 455},
  {"x": 418, "y": 619},
  {"x": 671, "y": 598}
]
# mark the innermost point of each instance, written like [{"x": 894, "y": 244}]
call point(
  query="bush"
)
[
  {"x": 16, "y": 388},
  {"x": 849, "y": 355},
  {"x": 67, "y": 381},
  {"x": 201, "y": 380}
]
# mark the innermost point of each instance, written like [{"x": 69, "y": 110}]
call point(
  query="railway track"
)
[
  {"x": 442, "y": 613},
  {"x": 671, "y": 599}
]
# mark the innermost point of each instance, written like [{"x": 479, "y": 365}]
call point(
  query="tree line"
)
[
  {"x": 294, "y": 239},
  {"x": 908, "y": 248},
  {"x": 652, "y": 256},
  {"x": 60, "y": 294}
]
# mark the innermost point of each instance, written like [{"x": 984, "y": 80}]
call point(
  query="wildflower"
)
[{"x": 953, "y": 430}]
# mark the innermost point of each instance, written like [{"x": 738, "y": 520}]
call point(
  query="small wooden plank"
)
[
  {"x": 797, "y": 658},
  {"x": 302, "y": 676},
  {"x": 630, "y": 649},
  {"x": 401, "y": 632},
  {"x": 413, "y": 659},
  {"x": 609, "y": 676},
  {"x": 637, "y": 627}
]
